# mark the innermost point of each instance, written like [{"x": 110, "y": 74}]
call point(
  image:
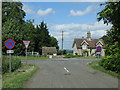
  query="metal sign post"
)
[
  {"x": 10, "y": 59},
  {"x": 9, "y": 44},
  {"x": 26, "y": 55},
  {"x": 26, "y": 43},
  {"x": 10, "y": 62}
]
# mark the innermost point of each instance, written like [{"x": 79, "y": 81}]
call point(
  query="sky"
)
[{"x": 74, "y": 18}]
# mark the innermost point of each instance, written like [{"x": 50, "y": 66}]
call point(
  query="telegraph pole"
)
[
  {"x": 62, "y": 42},
  {"x": 62, "y": 39}
]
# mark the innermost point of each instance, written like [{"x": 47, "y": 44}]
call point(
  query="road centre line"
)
[{"x": 66, "y": 69}]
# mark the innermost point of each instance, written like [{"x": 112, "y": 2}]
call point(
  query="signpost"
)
[
  {"x": 26, "y": 43},
  {"x": 9, "y": 44}
]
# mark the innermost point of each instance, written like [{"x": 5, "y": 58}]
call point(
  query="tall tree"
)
[
  {"x": 110, "y": 14},
  {"x": 12, "y": 10},
  {"x": 54, "y": 42}
]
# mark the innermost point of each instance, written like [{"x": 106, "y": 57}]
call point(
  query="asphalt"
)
[{"x": 69, "y": 73}]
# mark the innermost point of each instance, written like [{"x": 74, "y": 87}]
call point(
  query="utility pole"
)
[{"x": 62, "y": 40}]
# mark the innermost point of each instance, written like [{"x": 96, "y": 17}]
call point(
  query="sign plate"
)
[
  {"x": 26, "y": 43},
  {"x": 9, "y": 43},
  {"x": 99, "y": 48},
  {"x": 10, "y": 51}
]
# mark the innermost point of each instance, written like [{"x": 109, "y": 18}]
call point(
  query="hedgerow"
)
[
  {"x": 15, "y": 64},
  {"x": 111, "y": 62}
]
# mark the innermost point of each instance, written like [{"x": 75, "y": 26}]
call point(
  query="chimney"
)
[{"x": 88, "y": 36}]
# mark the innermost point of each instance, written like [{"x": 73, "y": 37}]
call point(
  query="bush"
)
[
  {"x": 111, "y": 62},
  {"x": 16, "y": 63},
  {"x": 71, "y": 56}
]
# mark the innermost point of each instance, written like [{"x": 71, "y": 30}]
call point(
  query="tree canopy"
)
[{"x": 111, "y": 14}]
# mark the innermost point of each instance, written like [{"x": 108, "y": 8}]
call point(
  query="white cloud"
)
[
  {"x": 46, "y": 12},
  {"x": 40, "y": 13},
  {"x": 88, "y": 10},
  {"x": 72, "y": 31},
  {"x": 28, "y": 9},
  {"x": 80, "y": 27}
]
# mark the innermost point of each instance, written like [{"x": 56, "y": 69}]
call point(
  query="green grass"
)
[
  {"x": 31, "y": 58},
  {"x": 17, "y": 79},
  {"x": 0, "y": 81},
  {"x": 88, "y": 57},
  {"x": 80, "y": 57},
  {"x": 96, "y": 66}
]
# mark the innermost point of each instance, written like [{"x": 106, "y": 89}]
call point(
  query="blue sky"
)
[{"x": 74, "y": 18}]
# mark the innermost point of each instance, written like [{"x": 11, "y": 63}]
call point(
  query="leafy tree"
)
[
  {"x": 12, "y": 10},
  {"x": 54, "y": 42},
  {"x": 42, "y": 38},
  {"x": 110, "y": 14}
]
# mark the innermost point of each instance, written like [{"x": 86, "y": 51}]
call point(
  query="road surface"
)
[{"x": 68, "y": 73}]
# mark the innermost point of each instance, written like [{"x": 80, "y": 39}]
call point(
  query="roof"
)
[
  {"x": 49, "y": 50},
  {"x": 91, "y": 43}
]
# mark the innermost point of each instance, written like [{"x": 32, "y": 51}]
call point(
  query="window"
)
[{"x": 84, "y": 46}]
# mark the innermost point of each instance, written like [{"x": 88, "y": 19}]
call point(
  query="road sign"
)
[
  {"x": 9, "y": 43},
  {"x": 26, "y": 43},
  {"x": 99, "y": 48},
  {"x": 10, "y": 51}
]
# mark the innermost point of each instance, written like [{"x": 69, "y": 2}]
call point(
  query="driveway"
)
[{"x": 69, "y": 73}]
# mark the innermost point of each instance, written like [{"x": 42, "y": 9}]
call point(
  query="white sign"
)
[
  {"x": 98, "y": 53},
  {"x": 26, "y": 43},
  {"x": 10, "y": 51}
]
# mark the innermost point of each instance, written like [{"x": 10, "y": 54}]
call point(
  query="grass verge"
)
[
  {"x": 88, "y": 57},
  {"x": 18, "y": 78},
  {"x": 34, "y": 58},
  {"x": 96, "y": 66}
]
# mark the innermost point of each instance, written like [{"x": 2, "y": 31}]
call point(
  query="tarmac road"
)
[{"x": 69, "y": 73}]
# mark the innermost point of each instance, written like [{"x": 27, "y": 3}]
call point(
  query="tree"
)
[
  {"x": 42, "y": 38},
  {"x": 12, "y": 10},
  {"x": 54, "y": 42},
  {"x": 110, "y": 14}
]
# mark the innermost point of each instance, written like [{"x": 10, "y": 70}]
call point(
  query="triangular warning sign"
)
[{"x": 26, "y": 43}]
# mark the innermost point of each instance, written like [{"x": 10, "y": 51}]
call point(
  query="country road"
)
[{"x": 68, "y": 73}]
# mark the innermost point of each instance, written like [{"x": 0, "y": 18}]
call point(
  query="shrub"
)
[
  {"x": 111, "y": 62},
  {"x": 16, "y": 63},
  {"x": 71, "y": 56}
]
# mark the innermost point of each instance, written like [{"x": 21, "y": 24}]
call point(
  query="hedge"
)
[
  {"x": 111, "y": 62},
  {"x": 16, "y": 63},
  {"x": 72, "y": 56}
]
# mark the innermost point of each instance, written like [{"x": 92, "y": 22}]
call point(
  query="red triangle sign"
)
[{"x": 26, "y": 43}]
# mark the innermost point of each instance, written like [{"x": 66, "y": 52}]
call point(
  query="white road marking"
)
[{"x": 66, "y": 69}]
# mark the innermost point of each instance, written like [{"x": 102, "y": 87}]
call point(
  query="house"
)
[
  {"x": 49, "y": 50},
  {"x": 87, "y": 47}
]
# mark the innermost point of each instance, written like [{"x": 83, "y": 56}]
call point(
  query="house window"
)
[{"x": 84, "y": 46}]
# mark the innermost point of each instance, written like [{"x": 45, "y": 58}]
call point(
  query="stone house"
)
[
  {"x": 89, "y": 45},
  {"x": 49, "y": 50}
]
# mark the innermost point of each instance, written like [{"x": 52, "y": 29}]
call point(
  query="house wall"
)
[{"x": 75, "y": 50}]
